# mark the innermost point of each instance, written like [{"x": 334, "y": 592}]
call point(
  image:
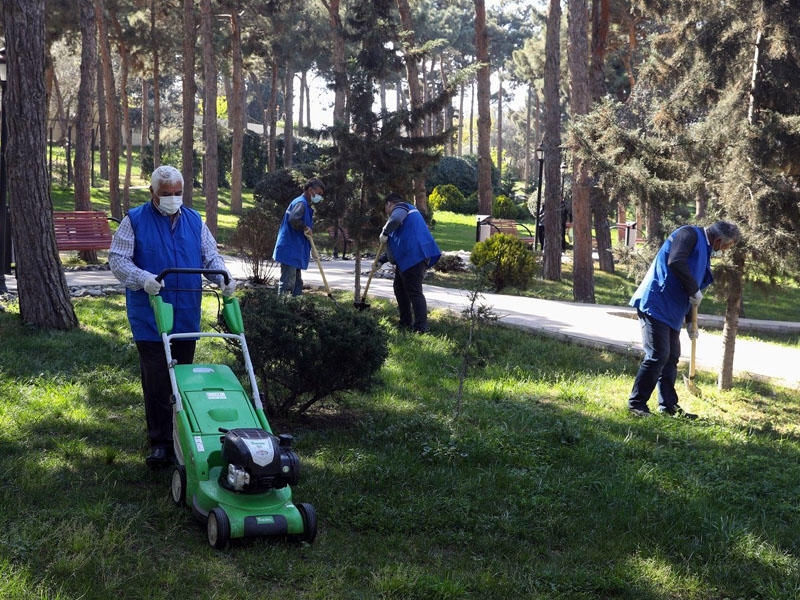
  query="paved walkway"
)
[{"x": 596, "y": 326}]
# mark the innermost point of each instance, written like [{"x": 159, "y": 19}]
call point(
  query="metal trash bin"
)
[
  {"x": 630, "y": 234},
  {"x": 483, "y": 228}
]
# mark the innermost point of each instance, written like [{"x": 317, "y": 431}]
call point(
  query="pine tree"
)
[{"x": 377, "y": 153}]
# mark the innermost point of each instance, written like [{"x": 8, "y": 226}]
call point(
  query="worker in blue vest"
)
[
  {"x": 155, "y": 236},
  {"x": 292, "y": 248},
  {"x": 412, "y": 249},
  {"x": 663, "y": 301}
]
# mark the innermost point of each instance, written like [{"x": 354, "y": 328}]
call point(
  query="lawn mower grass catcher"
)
[{"x": 231, "y": 470}]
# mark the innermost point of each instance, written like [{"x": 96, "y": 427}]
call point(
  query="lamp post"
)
[
  {"x": 5, "y": 238},
  {"x": 540, "y": 158}
]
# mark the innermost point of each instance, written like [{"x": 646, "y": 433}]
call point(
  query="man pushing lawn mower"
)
[
  {"x": 155, "y": 236},
  {"x": 666, "y": 299}
]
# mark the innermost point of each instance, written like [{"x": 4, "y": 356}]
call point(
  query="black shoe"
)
[
  {"x": 160, "y": 457},
  {"x": 676, "y": 411},
  {"x": 639, "y": 412}
]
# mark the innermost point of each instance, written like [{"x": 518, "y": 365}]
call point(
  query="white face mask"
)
[
  {"x": 716, "y": 253},
  {"x": 316, "y": 198},
  {"x": 169, "y": 205}
]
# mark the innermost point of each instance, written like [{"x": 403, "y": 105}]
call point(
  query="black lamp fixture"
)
[{"x": 540, "y": 158}]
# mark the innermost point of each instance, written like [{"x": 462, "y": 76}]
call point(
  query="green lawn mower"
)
[{"x": 231, "y": 470}]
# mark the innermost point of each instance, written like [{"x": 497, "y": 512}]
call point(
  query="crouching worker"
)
[
  {"x": 410, "y": 247},
  {"x": 158, "y": 235}
]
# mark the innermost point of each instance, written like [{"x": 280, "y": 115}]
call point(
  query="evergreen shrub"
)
[
  {"x": 307, "y": 348},
  {"x": 448, "y": 197},
  {"x": 504, "y": 207},
  {"x": 506, "y": 260},
  {"x": 276, "y": 190},
  {"x": 455, "y": 171}
]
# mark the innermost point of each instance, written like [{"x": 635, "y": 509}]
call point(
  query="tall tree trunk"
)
[
  {"x": 236, "y": 110},
  {"x": 460, "y": 132},
  {"x": 61, "y": 116},
  {"x": 580, "y": 100},
  {"x": 145, "y": 139},
  {"x": 447, "y": 112},
  {"x": 526, "y": 167},
  {"x": 551, "y": 143},
  {"x": 500, "y": 126},
  {"x": 188, "y": 102},
  {"x": 156, "y": 87},
  {"x": 102, "y": 120},
  {"x": 301, "y": 103},
  {"x": 731, "y": 326},
  {"x": 416, "y": 93},
  {"x": 112, "y": 110},
  {"x": 598, "y": 201},
  {"x": 601, "y": 205},
  {"x": 308, "y": 99},
  {"x": 125, "y": 62},
  {"x": 288, "y": 116},
  {"x": 471, "y": 120},
  {"x": 211, "y": 156},
  {"x": 272, "y": 118},
  {"x": 44, "y": 299},
  {"x": 339, "y": 61},
  {"x": 83, "y": 120},
  {"x": 484, "y": 117}
]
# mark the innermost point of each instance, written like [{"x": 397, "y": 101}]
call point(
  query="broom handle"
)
[
  {"x": 692, "y": 367},
  {"x": 372, "y": 271},
  {"x": 319, "y": 263}
]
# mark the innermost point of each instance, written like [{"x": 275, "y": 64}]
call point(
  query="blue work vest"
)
[
  {"x": 661, "y": 295},
  {"x": 157, "y": 247},
  {"x": 292, "y": 247},
  {"x": 412, "y": 242}
]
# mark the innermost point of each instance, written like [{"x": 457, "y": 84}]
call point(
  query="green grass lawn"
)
[{"x": 542, "y": 487}]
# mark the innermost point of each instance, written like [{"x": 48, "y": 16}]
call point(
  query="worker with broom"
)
[
  {"x": 293, "y": 248},
  {"x": 412, "y": 249},
  {"x": 669, "y": 293}
]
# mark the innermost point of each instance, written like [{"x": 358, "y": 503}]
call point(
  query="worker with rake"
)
[
  {"x": 670, "y": 292},
  {"x": 410, "y": 247}
]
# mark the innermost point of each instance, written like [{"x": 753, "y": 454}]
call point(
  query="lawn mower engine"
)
[{"x": 258, "y": 461}]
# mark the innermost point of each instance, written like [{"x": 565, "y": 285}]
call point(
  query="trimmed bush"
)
[
  {"x": 507, "y": 261},
  {"x": 504, "y": 207},
  {"x": 449, "y": 197},
  {"x": 305, "y": 348}
]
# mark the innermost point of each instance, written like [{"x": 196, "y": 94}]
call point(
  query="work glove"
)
[
  {"x": 151, "y": 285},
  {"x": 383, "y": 259},
  {"x": 691, "y": 329},
  {"x": 695, "y": 298},
  {"x": 383, "y": 238},
  {"x": 228, "y": 288}
]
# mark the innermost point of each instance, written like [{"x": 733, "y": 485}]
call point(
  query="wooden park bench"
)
[
  {"x": 82, "y": 230},
  {"x": 511, "y": 227},
  {"x": 341, "y": 239}
]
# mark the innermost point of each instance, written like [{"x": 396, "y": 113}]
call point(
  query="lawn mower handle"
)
[{"x": 191, "y": 271}]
